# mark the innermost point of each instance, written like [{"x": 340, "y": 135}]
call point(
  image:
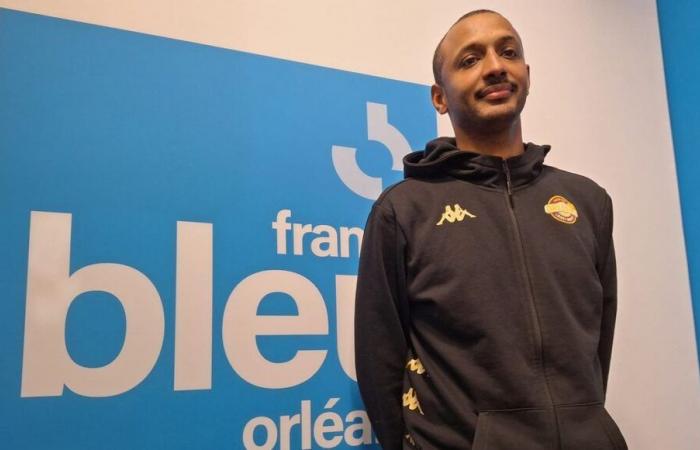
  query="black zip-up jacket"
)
[{"x": 485, "y": 307}]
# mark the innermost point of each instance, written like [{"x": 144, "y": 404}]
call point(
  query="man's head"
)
[{"x": 481, "y": 78}]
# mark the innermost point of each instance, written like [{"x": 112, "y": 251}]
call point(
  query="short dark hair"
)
[{"x": 438, "y": 59}]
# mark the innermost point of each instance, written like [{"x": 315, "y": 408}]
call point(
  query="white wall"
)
[{"x": 597, "y": 96}]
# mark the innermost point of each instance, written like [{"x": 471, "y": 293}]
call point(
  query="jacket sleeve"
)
[
  {"x": 380, "y": 342},
  {"x": 608, "y": 278}
]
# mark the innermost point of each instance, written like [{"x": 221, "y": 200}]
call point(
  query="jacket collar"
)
[{"x": 441, "y": 158}]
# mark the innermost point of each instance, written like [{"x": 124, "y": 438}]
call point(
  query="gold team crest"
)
[{"x": 561, "y": 209}]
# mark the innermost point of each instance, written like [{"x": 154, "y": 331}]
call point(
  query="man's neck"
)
[{"x": 503, "y": 143}]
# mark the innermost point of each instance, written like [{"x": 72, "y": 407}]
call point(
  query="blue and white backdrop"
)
[{"x": 184, "y": 187}]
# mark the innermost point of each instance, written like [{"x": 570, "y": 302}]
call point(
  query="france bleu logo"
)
[{"x": 143, "y": 280}]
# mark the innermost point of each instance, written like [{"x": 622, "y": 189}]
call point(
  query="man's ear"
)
[
  {"x": 527, "y": 91},
  {"x": 438, "y": 96}
]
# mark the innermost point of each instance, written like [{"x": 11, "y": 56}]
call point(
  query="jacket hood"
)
[{"x": 441, "y": 158}]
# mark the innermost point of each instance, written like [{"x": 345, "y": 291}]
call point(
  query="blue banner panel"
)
[
  {"x": 678, "y": 23},
  {"x": 180, "y": 234}
]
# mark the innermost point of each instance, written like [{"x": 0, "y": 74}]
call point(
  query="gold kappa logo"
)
[
  {"x": 561, "y": 209},
  {"x": 414, "y": 365},
  {"x": 410, "y": 439},
  {"x": 410, "y": 400},
  {"x": 455, "y": 215}
]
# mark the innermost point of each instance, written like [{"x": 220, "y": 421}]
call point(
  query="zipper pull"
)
[{"x": 509, "y": 189}]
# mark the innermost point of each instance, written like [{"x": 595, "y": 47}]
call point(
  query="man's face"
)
[{"x": 484, "y": 78}]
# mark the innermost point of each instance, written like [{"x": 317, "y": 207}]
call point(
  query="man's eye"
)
[
  {"x": 468, "y": 61},
  {"x": 509, "y": 53}
]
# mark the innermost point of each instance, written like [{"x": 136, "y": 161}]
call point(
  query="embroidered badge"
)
[
  {"x": 561, "y": 209},
  {"x": 455, "y": 215},
  {"x": 410, "y": 400}
]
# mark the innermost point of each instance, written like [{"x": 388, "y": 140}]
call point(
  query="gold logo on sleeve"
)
[
  {"x": 410, "y": 400},
  {"x": 561, "y": 209},
  {"x": 414, "y": 365}
]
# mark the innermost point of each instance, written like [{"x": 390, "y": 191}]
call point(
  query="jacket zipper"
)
[{"x": 530, "y": 295}]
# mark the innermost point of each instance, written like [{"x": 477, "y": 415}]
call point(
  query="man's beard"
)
[{"x": 472, "y": 121}]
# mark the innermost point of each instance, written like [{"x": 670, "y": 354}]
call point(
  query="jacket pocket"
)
[
  {"x": 589, "y": 427},
  {"x": 521, "y": 429}
]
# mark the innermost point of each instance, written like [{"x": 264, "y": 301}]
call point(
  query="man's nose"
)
[{"x": 493, "y": 65}]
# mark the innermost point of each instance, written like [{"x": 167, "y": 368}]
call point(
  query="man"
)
[{"x": 486, "y": 295}]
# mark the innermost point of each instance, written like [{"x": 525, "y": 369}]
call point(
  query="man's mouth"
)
[{"x": 496, "y": 91}]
